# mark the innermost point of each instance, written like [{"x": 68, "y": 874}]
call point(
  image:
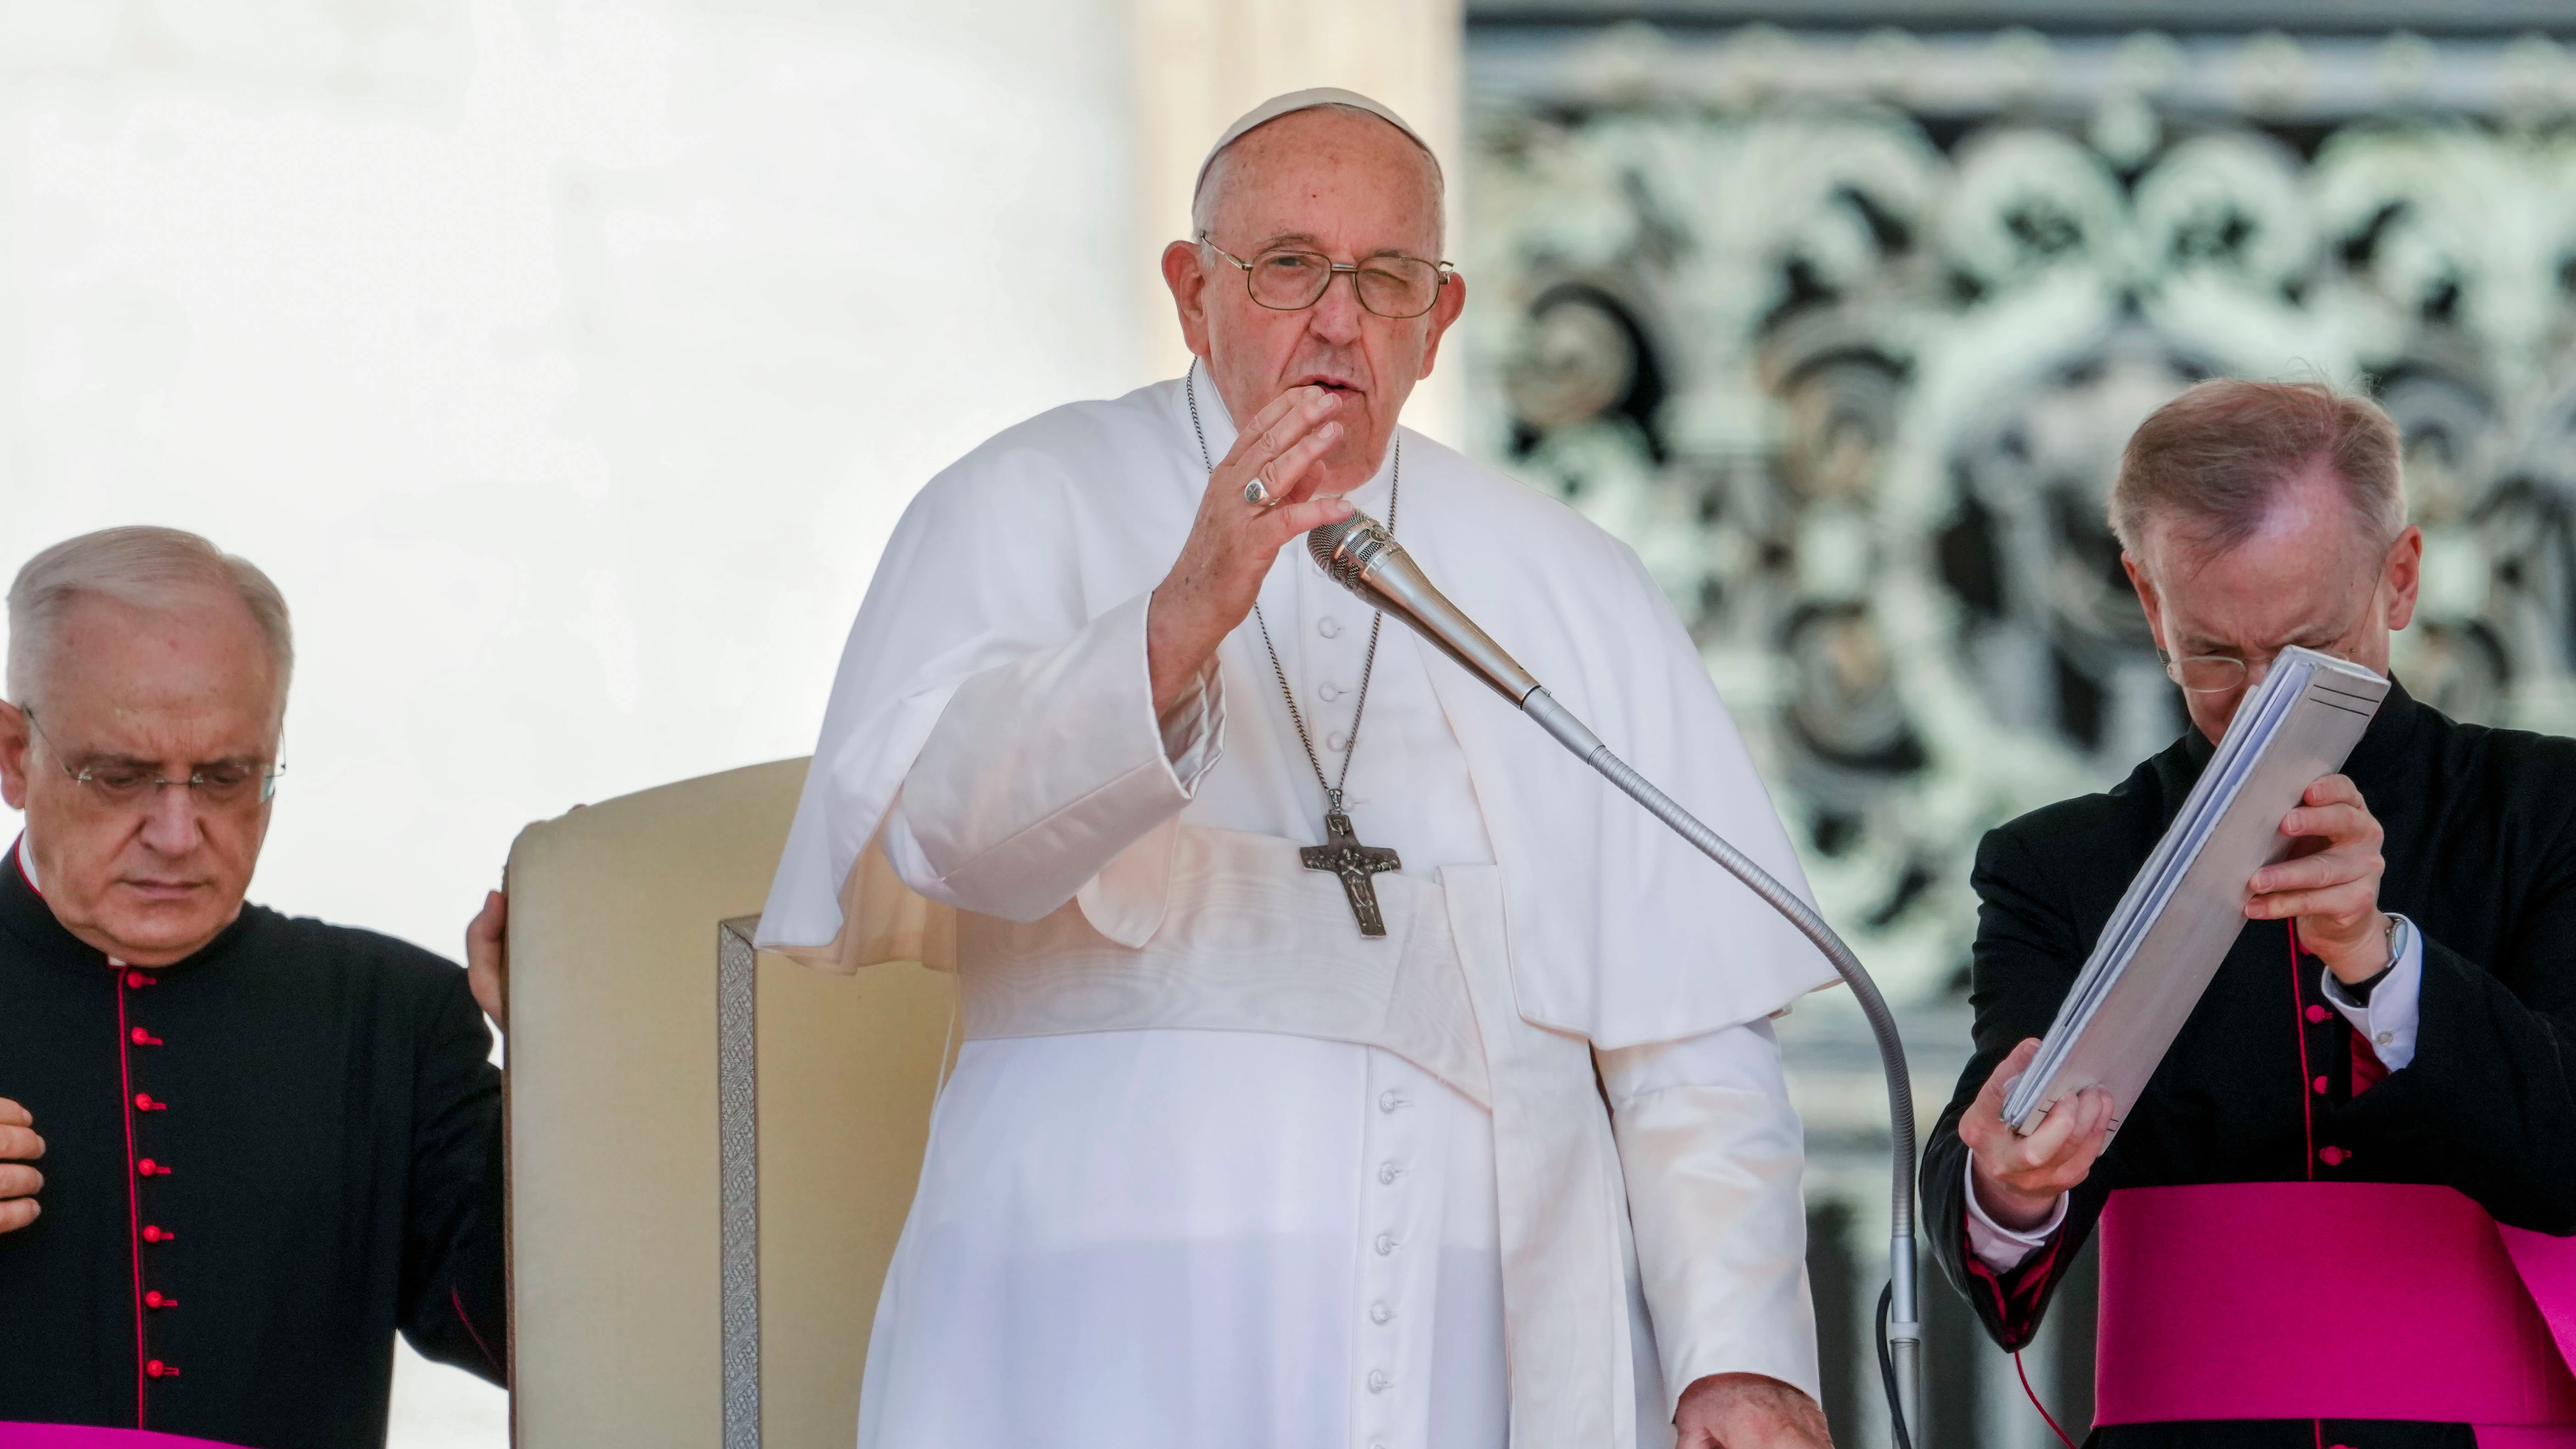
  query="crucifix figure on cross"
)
[{"x": 1342, "y": 854}]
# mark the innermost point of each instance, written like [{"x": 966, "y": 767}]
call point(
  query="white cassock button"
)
[
  {"x": 1388, "y": 1172},
  {"x": 2385, "y": 1037},
  {"x": 1336, "y": 742},
  {"x": 1380, "y": 1313},
  {"x": 1378, "y": 1382},
  {"x": 1329, "y": 692},
  {"x": 1385, "y": 1244},
  {"x": 1388, "y": 1101},
  {"x": 1328, "y": 627}
]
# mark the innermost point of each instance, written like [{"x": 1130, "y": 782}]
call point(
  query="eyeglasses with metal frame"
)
[
  {"x": 1286, "y": 279},
  {"x": 127, "y": 783},
  {"x": 2217, "y": 673}
]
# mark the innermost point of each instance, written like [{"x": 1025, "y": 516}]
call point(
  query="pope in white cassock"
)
[{"x": 1345, "y": 1064}]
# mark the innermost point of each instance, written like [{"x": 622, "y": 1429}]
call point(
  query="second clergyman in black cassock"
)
[
  {"x": 2481, "y": 828},
  {"x": 2437, "y": 1046}
]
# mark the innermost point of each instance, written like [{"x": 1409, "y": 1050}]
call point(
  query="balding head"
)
[
  {"x": 1333, "y": 179},
  {"x": 2204, "y": 471},
  {"x": 2255, "y": 515},
  {"x": 1296, "y": 135}
]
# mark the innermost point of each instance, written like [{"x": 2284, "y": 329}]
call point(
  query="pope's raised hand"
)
[
  {"x": 1213, "y": 584},
  {"x": 2019, "y": 1179},
  {"x": 19, "y": 1183}
]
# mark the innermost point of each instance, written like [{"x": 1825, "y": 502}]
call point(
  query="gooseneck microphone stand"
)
[
  {"x": 1900, "y": 1326},
  {"x": 1361, "y": 555}
]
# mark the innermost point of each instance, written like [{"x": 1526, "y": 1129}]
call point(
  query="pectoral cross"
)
[{"x": 1342, "y": 854}]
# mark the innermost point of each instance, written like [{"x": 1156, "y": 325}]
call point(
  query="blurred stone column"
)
[
  {"x": 1201, "y": 63},
  {"x": 1833, "y": 1284}
]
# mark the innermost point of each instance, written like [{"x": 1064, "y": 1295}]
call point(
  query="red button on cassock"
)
[
  {"x": 144, "y": 1038},
  {"x": 137, "y": 979},
  {"x": 155, "y": 1235},
  {"x": 2318, "y": 1013},
  {"x": 157, "y": 1299},
  {"x": 150, "y": 1168},
  {"x": 2320, "y": 1085},
  {"x": 160, "y": 1370},
  {"x": 2332, "y": 1156}
]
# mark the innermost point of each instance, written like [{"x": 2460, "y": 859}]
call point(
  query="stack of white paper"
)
[{"x": 2184, "y": 910}]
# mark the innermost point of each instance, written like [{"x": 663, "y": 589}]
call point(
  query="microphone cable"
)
[
  {"x": 1887, "y": 1370},
  {"x": 1900, "y": 1342}
]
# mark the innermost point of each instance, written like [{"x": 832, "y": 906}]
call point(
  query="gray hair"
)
[
  {"x": 1220, "y": 168},
  {"x": 139, "y": 565},
  {"x": 2211, "y": 462}
]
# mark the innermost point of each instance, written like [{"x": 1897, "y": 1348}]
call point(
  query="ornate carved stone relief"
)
[{"x": 1844, "y": 332}]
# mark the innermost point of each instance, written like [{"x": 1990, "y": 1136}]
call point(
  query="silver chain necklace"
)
[{"x": 1341, "y": 853}]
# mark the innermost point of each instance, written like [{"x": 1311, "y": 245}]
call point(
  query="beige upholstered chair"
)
[{"x": 709, "y": 1162}]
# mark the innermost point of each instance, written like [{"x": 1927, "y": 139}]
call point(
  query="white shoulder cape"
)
[{"x": 1618, "y": 931}]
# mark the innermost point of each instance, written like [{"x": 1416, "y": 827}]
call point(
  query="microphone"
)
[{"x": 1361, "y": 555}]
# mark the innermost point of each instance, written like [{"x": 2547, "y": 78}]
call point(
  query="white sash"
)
[{"x": 1255, "y": 942}]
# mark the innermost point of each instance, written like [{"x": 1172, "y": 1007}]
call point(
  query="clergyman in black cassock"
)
[
  {"x": 2269, "y": 1081},
  {"x": 238, "y": 1152},
  {"x": 315, "y": 1140}
]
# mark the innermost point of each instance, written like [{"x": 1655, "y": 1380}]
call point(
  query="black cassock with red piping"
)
[
  {"x": 2266, "y": 1083},
  {"x": 260, "y": 1164}
]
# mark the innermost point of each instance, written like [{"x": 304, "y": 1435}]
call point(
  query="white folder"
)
[{"x": 2186, "y": 906}]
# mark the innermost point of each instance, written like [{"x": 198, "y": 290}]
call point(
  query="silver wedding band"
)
[{"x": 1257, "y": 492}]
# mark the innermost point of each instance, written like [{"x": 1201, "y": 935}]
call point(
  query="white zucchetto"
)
[{"x": 1306, "y": 100}]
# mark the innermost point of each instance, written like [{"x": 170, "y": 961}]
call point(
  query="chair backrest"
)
[{"x": 630, "y": 1237}]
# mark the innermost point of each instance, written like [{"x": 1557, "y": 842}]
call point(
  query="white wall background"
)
[{"x": 565, "y": 361}]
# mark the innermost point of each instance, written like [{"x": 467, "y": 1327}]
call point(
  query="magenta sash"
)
[
  {"x": 2334, "y": 1300},
  {"x": 75, "y": 1436}
]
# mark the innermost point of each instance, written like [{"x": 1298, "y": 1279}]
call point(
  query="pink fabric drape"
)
[
  {"x": 2334, "y": 1300},
  {"x": 76, "y": 1436}
]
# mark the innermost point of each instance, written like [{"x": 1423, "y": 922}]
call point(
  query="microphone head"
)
[
  {"x": 1345, "y": 550},
  {"x": 1359, "y": 554}
]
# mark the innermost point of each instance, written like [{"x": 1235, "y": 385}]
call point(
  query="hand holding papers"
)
[{"x": 2185, "y": 907}]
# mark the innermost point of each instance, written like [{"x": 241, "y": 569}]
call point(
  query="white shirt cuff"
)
[
  {"x": 1999, "y": 1247},
  {"x": 2387, "y": 1021},
  {"x": 1193, "y": 729}
]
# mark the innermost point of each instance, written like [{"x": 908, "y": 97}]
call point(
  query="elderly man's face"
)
[
  {"x": 171, "y": 690},
  {"x": 2308, "y": 576},
  {"x": 1349, "y": 186}
]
